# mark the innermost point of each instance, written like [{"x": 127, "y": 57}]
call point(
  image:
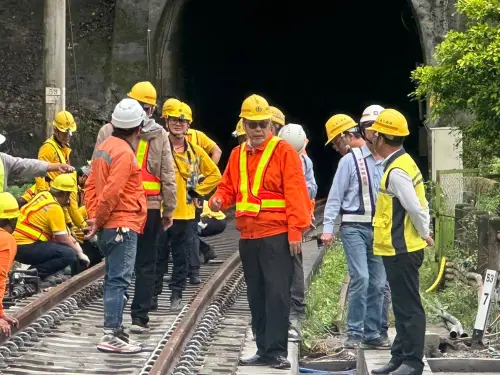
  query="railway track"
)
[{"x": 59, "y": 329}]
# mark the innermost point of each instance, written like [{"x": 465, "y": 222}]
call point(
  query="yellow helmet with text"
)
[
  {"x": 170, "y": 107},
  {"x": 338, "y": 124},
  {"x": 64, "y": 122},
  {"x": 390, "y": 122}
]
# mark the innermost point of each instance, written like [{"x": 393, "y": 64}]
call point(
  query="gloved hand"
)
[{"x": 84, "y": 258}]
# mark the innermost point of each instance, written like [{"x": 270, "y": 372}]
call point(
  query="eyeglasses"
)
[
  {"x": 255, "y": 124},
  {"x": 177, "y": 120}
]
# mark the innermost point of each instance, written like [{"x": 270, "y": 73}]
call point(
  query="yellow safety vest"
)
[
  {"x": 24, "y": 227},
  {"x": 2, "y": 176},
  {"x": 150, "y": 182},
  {"x": 394, "y": 232},
  {"x": 250, "y": 202},
  {"x": 62, "y": 159}
]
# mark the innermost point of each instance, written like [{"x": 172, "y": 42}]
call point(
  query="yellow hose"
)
[{"x": 440, "y": 276}]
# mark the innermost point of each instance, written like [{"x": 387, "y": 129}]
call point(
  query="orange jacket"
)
[
  {"x": 114, "y": 195},
  {"x": 283, "y": 175},
  {"x": 8, "y": 250}
]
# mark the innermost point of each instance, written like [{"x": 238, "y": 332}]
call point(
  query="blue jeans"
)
[
  {"x": 120, "y": 261},
  {"x": 368, "y": 279}
]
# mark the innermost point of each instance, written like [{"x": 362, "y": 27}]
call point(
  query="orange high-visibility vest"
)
[
  {"x": 24, "y": 226},
  {"x": 150, "y": 182},
  {"x": 250, "y": 202}
]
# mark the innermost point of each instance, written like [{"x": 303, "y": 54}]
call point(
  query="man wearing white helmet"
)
[
  {"x": 117, "y": 208},
  {"x": 368, "y": 117},
  {"x": 296, "y": 136}
]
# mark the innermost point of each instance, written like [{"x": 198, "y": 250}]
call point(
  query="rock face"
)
[
  {"x": 21, "y": 59},
  {"x": 113, "y": 44}
]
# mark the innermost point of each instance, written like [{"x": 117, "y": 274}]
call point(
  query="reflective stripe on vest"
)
[
  {"x": 24, "y": 226},
  {"x": 151, "y": 183},
  {"x": 364, "y": 214},
  {"x": 62, "y": 159},
  {"x": 2, "y": 176},
  {"x": 394, "y": 232},
  {"x": 250, "y": 203}
]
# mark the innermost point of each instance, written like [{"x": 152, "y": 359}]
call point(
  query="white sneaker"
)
[
  {"x": 293, "y": 335},
  {"x": 112, "y": 343}
]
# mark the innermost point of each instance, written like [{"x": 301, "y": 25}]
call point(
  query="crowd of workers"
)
[{"x": 154, "y": 191}]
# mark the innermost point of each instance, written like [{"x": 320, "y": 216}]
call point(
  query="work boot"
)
[
  {"x": 210, "y": 254},
  {"x": 55, "y": 279},
  {"x": 176, "y": 301},
  {"x": 386, "y": 370},
  {"x": 194, "y": 276},
  {"x": 255, "y": 360},
  {"x": 352, "y": 342},
  {"x": 279, "y": 363},
  {"x": 376, "y": 344},
  {"x": 407, "y": 370},
  {"x": 138, "y": 326}
]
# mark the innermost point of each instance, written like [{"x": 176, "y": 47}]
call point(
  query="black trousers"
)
[
  {"x": 93, "y": 252},
  {"x": 402, "y": 273},
  {"x": 268, "y": 269},
  {"x": 298, "y": 307},
  {"x": 178, "y": 239},
  {"x": 145, "y": 267},
  {"x": 47, "y": 257}
]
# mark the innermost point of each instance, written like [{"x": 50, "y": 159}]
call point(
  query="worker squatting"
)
[{"x": 148, "y": 193}]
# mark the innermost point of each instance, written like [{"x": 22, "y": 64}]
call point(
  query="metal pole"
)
[{"x": 54, "y": 60}]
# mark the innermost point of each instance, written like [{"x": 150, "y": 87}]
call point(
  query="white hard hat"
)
[
  {"x": 295, "y": 135},
  {"x": 2, "y": 139},
  {"x": 128, "y": 114},
  {"x": 371, "y": 113}
]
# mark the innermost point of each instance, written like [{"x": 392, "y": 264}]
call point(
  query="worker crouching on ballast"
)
[
  {"x": 41, "y": 233},
  {"x": 264, "y": 179}
]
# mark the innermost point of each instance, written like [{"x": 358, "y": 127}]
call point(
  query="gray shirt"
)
[
  {"x": 19, "y": 167},
  {"x": 401, "y": 187}
]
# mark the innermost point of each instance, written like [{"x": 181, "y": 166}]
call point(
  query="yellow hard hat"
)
[
  {"x": 64, "y": 121},
  {"x": 240, "y": 129},
  {"x": 184, "y": 112},
  {"x": 277, "y": 116},
  {"x": 170, "y": 107},
  {"x": 338, "y": 124},
  {"x": 390, "y": 122},
  {"x": 64, "y": 182},
  {"x": 9, "y": 209},
  {"x": 255, "y": 108},
  {"x": 143, "y": 92}
]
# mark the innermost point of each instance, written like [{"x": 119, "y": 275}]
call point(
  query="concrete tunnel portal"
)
[{"x": 310, "y": 61}]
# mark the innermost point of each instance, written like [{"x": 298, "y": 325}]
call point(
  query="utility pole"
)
[{"x": 54, "y": 60}]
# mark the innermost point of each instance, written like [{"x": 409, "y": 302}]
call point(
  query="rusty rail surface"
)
[
  {"x": 173, "y": 349},
  {"x": 54, "y": 296}
]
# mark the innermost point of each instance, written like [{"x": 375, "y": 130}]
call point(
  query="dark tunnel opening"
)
[{"x": 310, "y": 61}]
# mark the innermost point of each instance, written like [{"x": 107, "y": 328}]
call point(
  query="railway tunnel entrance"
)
[{"x": 311, "y": 60}]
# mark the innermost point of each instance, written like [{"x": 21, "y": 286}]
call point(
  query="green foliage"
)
[
  {"x": 458, "y": 299},
  {"x": 18, "y": 191},
  {"x": 323, "y": 296},
  {"x": 464, "y": 82}
]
